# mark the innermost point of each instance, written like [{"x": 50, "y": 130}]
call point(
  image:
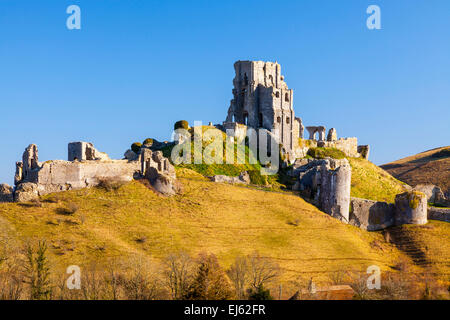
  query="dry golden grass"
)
[{"x": 223, "y": 219}]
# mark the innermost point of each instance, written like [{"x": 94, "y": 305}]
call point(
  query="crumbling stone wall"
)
[
  {"x": 434, "y": 194},
  {"x": 371, "y": 215},
  {"x": 84, "y": 151},
  {"x": 6, "y": 193},
  {"x": 88, "y": 169},
  {"x": 411, "y": 208},
  {"x": 364, "y": 151},
  {"x": 334, "y": 188},
  {"x": 347, "y": 145},
  {"x": 327, "y": 182},
  {"x": 442, "y": 214}
]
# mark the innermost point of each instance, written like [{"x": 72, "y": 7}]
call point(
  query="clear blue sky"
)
[{"x": 136, "y": 67}]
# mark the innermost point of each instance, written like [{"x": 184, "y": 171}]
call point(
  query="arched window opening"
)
[
  {"x": 286, "y": 97},
  {"x": 277, "y": 94},
  {"x": 245, "y": 118},
  {"x": 288, "y": 120},
  {"x": 245, "y": 79},
  {"x": 278, "y": 119}
]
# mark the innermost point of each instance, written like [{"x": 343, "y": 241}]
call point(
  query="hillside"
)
[
  {"x": 368, "y": 180},
  {"x": 372, "y": 182},
  {"x": 429, "y": 167},
  {"x": 227, "y": 220}
]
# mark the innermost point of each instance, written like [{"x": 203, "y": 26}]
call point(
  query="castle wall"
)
[
  {"x": 371, "y": 215},
  {"x": 348, "y": 145},
  {"x": 335, "y": 184},
  {"x": 37, "y": 179},
  {"x": 59, "y": 175},
  {"x": 442, "y": 214},
  {"x": 411, "y": 208}
]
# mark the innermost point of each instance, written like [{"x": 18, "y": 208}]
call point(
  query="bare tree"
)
[
  {"x": 262, "y": 270},
  {"x": 178, "y": 273},
  {"x": 359, "y": 285},
  {"x": 239, "y": 274},
  {"x": 112, "y": 280},
  {"x": 11, "y": 284},
  {"x": 142, "y": 282},
  {"x": 338, "y": 277},
  {"x": 92, "y": 285}
]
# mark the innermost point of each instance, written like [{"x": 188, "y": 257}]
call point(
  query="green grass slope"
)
[{"x": 371, "y": 182}]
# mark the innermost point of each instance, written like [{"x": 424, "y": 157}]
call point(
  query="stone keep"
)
[{"x": 261, "y": 99}]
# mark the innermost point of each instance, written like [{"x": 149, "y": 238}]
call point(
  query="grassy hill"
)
[
  {"x": 371, "y": 182},
  {"x": 431, "y": 166},
  {"x": 368, "y": 180},
  {"x": 227, "y": 220}
]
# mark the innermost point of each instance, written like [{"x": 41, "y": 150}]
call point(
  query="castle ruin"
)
[
  {"x": 87, "y": 167},
  {"x": 262, "y": 100}
]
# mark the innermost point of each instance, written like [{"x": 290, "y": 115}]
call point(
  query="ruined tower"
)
[{"x": 261, "y": 99}]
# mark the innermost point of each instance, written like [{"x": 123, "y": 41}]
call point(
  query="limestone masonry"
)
[
  {"x": 262, "y": 100},
  {"x": 87, "y": 167}
]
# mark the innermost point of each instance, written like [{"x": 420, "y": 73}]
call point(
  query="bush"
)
[
  {"x": 69, "y": 210},
  {"x": 210, "y": 282},
  {"x": 260, "y": 294},
  {"x": 110, "y": 184},
  {"x": 322, "y": 153},
  {"x": 257, "y": 178},
  {"x": 136, "y": 147},
  {"x": 148, "y": 141},
  {"x": 182, "y": 124}
]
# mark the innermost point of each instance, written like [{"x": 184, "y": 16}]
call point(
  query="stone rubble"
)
[{"x": 244, "y": 178}]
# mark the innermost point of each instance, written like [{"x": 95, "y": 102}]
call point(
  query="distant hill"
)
[{"x": 429, "y": 167}]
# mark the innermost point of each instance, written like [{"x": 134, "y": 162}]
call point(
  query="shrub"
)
[
  {"x": 260, "y": 294},
  {"x": 110, "y": 184},
  {"x": 148, "y": 141},
  {"x": 210, "y": 282},
  {"x": 136, "y": 147},
  {"x": 321, "y": 153},
  {"x": 69, "y": 210},
  {"x": 182, "y": 124},
  {"x": 257, "y": 178},
  {"x": 37, "y": 271}
]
